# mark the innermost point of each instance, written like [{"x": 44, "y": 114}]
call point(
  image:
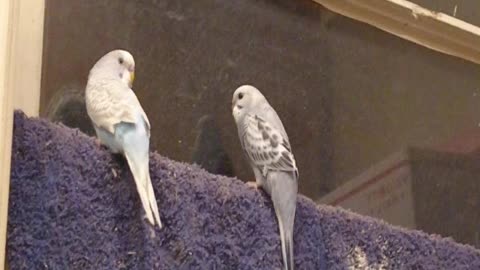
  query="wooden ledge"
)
[{"x": 434, "y": 30}]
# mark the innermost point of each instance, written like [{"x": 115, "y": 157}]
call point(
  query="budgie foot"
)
[
  {"x": 97, "y": 142},
  {"x": 252, "y": 184}
]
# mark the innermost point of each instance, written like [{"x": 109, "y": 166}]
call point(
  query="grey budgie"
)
[{"x": 269, "y": 153}]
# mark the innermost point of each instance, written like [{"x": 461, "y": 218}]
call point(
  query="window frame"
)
[
  {"x": 434, "y": 30},
  {"x": 21, "y": 44}
]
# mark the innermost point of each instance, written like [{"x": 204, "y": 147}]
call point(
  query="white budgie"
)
[{"x": 120, "y": 122}]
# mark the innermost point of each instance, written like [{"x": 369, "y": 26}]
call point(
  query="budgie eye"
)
[
  {"x": 120, "y": 60},
  {"x": 240, "y": 96}
]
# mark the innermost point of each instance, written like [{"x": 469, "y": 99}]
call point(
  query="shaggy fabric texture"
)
[{"x": 73, "y": 205}]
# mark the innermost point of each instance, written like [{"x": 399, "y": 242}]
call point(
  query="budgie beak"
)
[{"x": 132, "y": 78}]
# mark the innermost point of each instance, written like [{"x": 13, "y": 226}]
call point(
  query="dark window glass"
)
[{"x": 394, "y": 122}]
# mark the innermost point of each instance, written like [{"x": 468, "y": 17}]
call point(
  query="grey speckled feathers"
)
[{"x": 266, "y": 145}]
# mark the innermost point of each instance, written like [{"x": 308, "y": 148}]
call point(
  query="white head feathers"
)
[{"x": 118, "y": 64}]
